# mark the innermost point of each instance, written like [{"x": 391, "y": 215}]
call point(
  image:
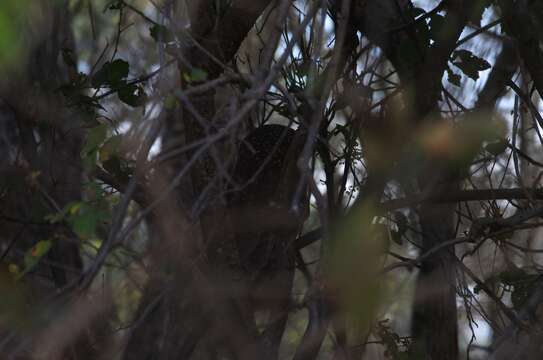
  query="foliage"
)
[{"x": 395, "y": 191}]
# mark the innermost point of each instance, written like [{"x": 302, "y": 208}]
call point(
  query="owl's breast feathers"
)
[{"x": 261, "y": 212}]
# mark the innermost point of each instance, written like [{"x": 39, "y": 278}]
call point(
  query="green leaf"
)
[
  {"x": 469, "y": 63},
  {"x": 132, "y": 95},
  {"x": 498, "y": 147},
  {"x": 111, "y": 74},
  {"x": 195, "y": 75},
  {"x": 170, "y": 102},
  {"x": 11, "y": 37},
  {"x": 100, "y": 77},
  {"x": 41, "y": 248},
  {"x": 118, "y": 70},
  {"x": 110, "y": 147},
  {"x": 95, "y": 136},
  {"x": 85, "y": 221},
  {"x": 161, "y": 33},
  {"x": 198, "y": 75},
  {"x": 83, "y": 217},
  {"x": 32, "y": 257}
]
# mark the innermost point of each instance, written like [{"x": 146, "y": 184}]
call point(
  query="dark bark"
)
[
  {"x": 435, "y": 321},
  {"x": 219, "y": 38},
  {"x": 434, "y": 316}
]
